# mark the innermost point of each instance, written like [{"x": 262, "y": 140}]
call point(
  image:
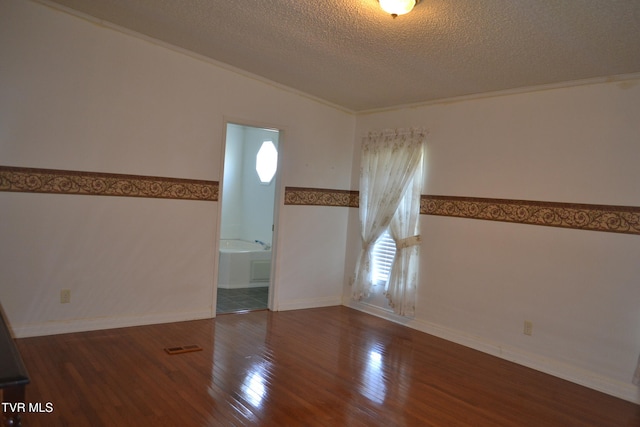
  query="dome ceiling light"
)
[{"x": 398, "y": 7}]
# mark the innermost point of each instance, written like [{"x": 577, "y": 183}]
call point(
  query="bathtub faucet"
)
[{"x": 264, "y": 245}]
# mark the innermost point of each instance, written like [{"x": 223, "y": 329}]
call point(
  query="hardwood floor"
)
[{"x": 320, "y": 367}]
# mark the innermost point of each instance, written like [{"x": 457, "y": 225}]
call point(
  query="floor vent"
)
[{"x": 183, "y": 349}]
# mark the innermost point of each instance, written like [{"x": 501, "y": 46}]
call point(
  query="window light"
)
[
  {"x": 384, "y": 251},
  {"x": 267, "y": 162}
]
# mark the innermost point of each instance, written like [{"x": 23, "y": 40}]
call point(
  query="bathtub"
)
[{"x": 243, "y": 264}]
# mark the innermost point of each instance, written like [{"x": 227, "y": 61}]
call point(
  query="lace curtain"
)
[
  {"x": 405, "y": 230},
  {"x": 391, "y": 176}
]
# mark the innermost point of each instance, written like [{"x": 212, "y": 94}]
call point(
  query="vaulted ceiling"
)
[{"x": 352, "y": 54}]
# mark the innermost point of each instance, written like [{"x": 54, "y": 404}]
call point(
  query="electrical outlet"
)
[
  {"x": 528, "y": 327},
  {"x": 65, "y": 296}
]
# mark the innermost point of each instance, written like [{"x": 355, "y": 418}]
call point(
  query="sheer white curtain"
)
[
  {"x": 389, "y": 162},
  {"x": 636, "y": 375},
  {"x": 405, "y": 230}
]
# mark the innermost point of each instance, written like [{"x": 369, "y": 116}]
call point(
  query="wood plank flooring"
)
[{"x": 320, "y": 367}]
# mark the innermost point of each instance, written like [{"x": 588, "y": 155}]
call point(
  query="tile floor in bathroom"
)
[{"x": 233, "y": 300}]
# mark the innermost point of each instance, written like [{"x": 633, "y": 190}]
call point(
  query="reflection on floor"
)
[{"x": 232, "y": 300}]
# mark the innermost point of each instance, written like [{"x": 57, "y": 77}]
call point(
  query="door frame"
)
[{"x": 278, "y": 202}]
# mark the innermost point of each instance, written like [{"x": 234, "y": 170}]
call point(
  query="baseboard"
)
[
  {"x": 550, "y": 366},
  {"x": 83, "y": 325},
  {"x": 299, "y": 304}
]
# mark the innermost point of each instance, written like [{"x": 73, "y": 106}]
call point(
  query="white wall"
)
[
  {"x": 75, "y": 95},
  {"x": 481, "y": 280}
]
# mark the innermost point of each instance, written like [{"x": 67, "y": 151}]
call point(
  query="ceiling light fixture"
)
[{"x": 398, "y": 7}]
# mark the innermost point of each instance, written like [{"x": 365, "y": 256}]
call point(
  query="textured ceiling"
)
[{"x": 352, "y": 54}]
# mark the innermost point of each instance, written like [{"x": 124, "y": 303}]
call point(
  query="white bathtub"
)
[{"x": 243, "y": 264}]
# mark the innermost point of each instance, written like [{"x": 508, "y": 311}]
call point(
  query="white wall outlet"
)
[
  {"x": 65, "y": 296},
  {"x": 528, "y": 327}
]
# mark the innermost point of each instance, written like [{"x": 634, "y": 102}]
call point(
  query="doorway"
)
[{"x": 248, "y": 195}]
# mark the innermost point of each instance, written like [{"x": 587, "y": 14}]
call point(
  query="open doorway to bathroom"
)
[{"x": 247, "y": 218}]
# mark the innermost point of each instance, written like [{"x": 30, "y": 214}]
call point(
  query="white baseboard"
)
[
  {"x": 574, "y": 374},
  {"x": 83, "y": 325},
  {"x": 299, "y": 304}
]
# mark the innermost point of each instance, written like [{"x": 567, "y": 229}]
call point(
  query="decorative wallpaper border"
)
[
  {"x": 613, "y": 219},
  {"x": 321, "y": 197},
  {"x": 31, "y": 180}
]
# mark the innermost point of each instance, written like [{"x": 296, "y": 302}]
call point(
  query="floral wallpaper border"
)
[
  {"x": 613, "y": 219},
  {"x": 321, "y": 197},
  {"x": 32, "y": 180}
]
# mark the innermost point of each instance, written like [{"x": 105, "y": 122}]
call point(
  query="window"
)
[
  {"x": 390, "y": 185},
  {"x": 267, "y": 162},
  {"x": 384, "y": 251}
]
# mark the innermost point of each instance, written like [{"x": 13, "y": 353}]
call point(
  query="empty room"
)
[{"x": 320, "y": 213}]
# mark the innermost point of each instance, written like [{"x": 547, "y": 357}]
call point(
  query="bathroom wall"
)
[
  {"x": 258, "y": 198},
  {"x": 232, "y": 213},
  {"x": 248, "y": 205}
]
